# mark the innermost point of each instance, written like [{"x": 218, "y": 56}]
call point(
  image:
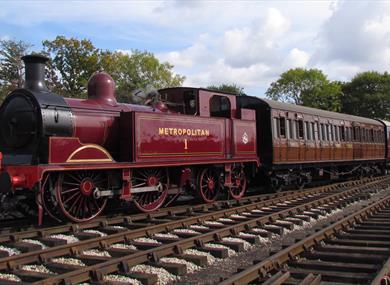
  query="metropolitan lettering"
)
[{"x": 183, "y": 132}]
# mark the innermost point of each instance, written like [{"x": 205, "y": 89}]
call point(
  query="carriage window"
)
[
  {"x": 275, "y": 127},
  {"x": 322, "y": 132},
  {"x": 371, "y": 135},
  {"x": 313, "y": 132},
  {"x": 331, "y": 132},
  {"x": 290, "y": 129},
  {"x": 308, "y": 132},
  {"x": 220, "y": 107},
  {"x": 299, "y": 126},
  {"x": 327, "y": 132},
  {"x": 350, "y": 134},
  {"x": 282, "y": 127},
  {"x": 336, "y": 133}
]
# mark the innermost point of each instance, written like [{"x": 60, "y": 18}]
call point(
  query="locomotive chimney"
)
[{"x": 35, "y": 72}]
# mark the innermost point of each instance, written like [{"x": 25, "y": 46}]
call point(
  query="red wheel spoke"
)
[
  {"x": 71, "y": 183},
  {"x": 74, "y": 203},
  {"x": 76, "y": 213},
  {"x": 70, "y": 190},
  {"x": 71, "y": 197},
  {"x": 74, "y": 178}
]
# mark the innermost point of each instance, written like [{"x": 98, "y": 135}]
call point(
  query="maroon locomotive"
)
[{"x": 74, "y": 155}]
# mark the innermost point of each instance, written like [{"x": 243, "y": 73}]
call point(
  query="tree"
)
[
  {"x": 75, "y": 61},
  {"x": 138, "y": 70},
  {"x": 368, "y": 95},
  {"x": 11, "y": 65},
  {"x": 306, "y": 87},
  {"x": 229, "y": 88}
]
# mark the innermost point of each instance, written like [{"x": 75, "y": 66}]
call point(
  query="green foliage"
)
[
  {"x": 368, "y": 95},
  {"x": 306, "y": 87},
  {"x": 229, "y": 88},
  {"x": 138, "y": 70},
  {"x": 75, "y": 60},
  {"x": 11, "y": 65}
]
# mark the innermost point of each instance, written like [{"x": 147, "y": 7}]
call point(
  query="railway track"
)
[
  {"x": 122, "y": 215},
  {"x": 354, "y": 250},
  {"x": 110, "y": 252}
]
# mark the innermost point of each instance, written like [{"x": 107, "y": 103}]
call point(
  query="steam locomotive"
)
[{"x": 74, "y": 155}]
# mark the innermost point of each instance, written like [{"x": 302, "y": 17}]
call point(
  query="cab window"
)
[{"x": 220, "y": 107}]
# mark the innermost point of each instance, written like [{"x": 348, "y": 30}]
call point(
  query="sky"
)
[{"x": 249, "y": 43}]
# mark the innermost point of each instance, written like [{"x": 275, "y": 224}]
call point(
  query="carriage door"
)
[
  {"x": 357, "y": 145},
  {"x": 280, "y": 146},
  {"x": 300, "y": 137},
  {"x": 310, "y": 139},
  {"x": 317, "y": 142}
]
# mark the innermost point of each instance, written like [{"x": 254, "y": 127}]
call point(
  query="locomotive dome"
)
[{"x": 101, "y": 87}]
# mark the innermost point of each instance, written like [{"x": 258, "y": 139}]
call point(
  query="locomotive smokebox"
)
[{"x": 35, "y": 72}]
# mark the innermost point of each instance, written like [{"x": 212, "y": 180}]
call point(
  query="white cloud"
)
[
  {"x": 256, "y": 43},
  {"x": 357, "y": 33},
  {"x": 4, "y": 38},
  {"x": 189, "y": 57},
  {"x": 219, "y": 72},
  {"x": 296, "y": 58}
]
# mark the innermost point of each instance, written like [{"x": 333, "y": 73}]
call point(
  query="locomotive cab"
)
[{"x": 181, "y": 100}]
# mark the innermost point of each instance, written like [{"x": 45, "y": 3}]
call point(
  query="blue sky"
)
[{"x": 249, "y": 43}]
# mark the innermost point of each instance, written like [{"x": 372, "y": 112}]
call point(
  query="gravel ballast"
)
[{"x": 163, "y": 276}]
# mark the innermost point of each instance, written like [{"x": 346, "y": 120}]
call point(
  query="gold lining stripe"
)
[
  {"x": 177, "y": 154},
  {"x": 93, "y": 146}
]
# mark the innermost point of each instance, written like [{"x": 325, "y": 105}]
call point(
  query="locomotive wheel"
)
[
  {"x": 151, "y": 200},
  {"x": 239, "y": 183},
  {"x": 208, "y": 185},
  {"x": 48, "y": 197},
  {"x": 74, "y": 192}
]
